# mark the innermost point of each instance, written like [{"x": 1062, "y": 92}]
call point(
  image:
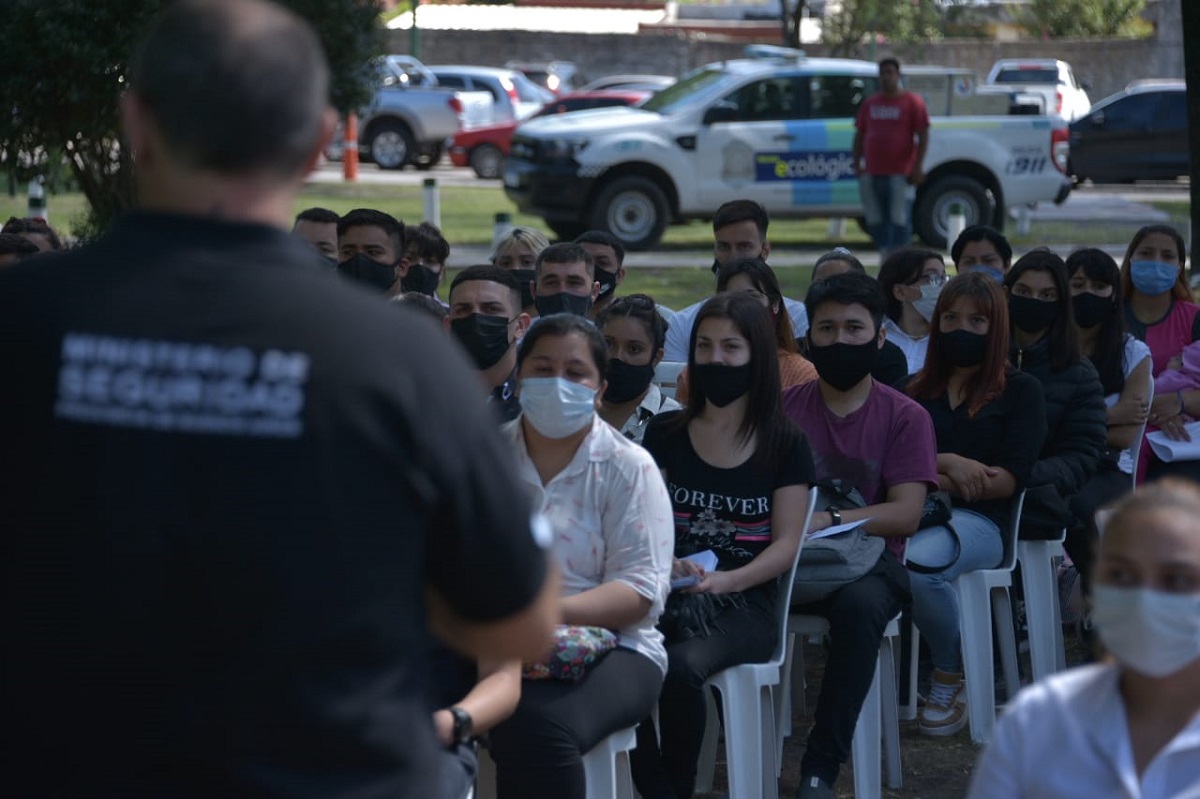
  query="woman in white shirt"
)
[
  {"x": 634, "y": 333},
  {"x": 1123, "y": 363},
  {"x": 612, "y": 528},
  {"x": 911, "y": 280},
  {"x": 1131, "y": 728}
]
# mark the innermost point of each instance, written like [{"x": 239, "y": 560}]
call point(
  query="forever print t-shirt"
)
[{"x": 725, "y": 510}]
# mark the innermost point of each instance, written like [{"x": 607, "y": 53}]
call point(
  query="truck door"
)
[{"x": 742, "y": 131}]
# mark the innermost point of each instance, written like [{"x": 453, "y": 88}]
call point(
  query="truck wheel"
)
[
  {"x": 486, "y": 160},
  {"x": 632, "y": 209},
  {"x": 931, "y": 215},
  {"x": 427, "y": 157},
  {"x": 391, "y": 144}
]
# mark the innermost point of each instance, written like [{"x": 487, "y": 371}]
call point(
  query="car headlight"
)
[{"x": 562, "y": 148}]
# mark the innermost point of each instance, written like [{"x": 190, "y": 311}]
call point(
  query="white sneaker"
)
[{"x": 945, "y": 712}]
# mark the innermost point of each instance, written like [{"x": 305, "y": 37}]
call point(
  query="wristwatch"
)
[
  {"x": 835, "y": 515},
  {"x": 463, "y": 725}
]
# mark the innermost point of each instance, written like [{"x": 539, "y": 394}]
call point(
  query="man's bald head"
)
[{"x": 233, "y": 86}]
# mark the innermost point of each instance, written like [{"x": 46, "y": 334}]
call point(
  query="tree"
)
[
  {"x": 65, "y": 66},
  {"x": 1059, "y": 18},
  {"x": 1191, "y": 71},
  {"x": 790, "y": 17},
  {"x": 908, "y": 21}
]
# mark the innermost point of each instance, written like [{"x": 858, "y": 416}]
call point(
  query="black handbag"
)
[{"x": 937, "y": 514}]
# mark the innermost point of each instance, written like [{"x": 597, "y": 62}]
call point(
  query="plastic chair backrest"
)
[
  {"x": 783, "y": 599},
  {"x": 666, "y": 375},
  {"x": 1135, "y": 448},
  {"x": 1010, "y": 535}
]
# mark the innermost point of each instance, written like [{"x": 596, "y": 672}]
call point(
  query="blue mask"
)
[
  {"x": 1153, "y": 277},
  {"x": 991, "y": 271}
]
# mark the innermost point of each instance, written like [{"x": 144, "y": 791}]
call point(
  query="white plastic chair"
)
[
  {"x": 751, "y": 701},
  {"x": 1136, "y": 447},
  {"x": 606, "y": 769},
  {"x": 879, "y": 716},
  {"x": 666, "y": 376},
  {"x": 983, "y": 597}
]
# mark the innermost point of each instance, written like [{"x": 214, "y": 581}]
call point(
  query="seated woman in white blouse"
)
[
  {"x": 613, "y": 536},
  {"x": 1129, "y": 728}
]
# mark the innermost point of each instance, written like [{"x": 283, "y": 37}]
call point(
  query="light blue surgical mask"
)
[
  {"x": 1151, "y": 632},
  {"x": 555, "y": 406},
  {"x": 1153, "y": 277},
  {"x": 927, "y": 301},
  {"x": 991, "y": 271}
]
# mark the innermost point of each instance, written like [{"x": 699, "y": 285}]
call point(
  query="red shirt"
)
[{"x": 889, "y": 126}]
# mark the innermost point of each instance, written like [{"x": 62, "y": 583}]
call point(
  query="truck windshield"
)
[
  {"x": 685, "y": 91},
  {"x": 1027, "y": 76}
]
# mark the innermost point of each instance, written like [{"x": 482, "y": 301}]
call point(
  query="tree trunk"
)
[{"x": 1191, "y": 70}]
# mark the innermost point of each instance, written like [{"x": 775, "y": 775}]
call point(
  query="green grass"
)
[{"x": 468, "y": 214}]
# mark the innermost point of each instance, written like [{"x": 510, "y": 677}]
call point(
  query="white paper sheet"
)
[
  {"x": 706, "y": 560},
  {"x": 1168, "y": 450},
  {"x": 837, "y": 528}
]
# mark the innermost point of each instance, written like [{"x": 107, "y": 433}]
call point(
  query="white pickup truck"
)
[
  {"x": 410, "y": 119},
  {"x": 1051, "y": 84},
  {"x": 775, "y": 129}
]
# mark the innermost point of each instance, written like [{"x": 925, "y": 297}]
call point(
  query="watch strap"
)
[{"x": 463, "y": 725}]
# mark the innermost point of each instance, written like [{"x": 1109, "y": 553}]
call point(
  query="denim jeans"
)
[
  {"x": 887, "y": 209},
  {"x": 935, "y": 603}
]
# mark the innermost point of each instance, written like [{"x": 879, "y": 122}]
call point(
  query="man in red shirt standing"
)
[{"x": 892, "y": 131}]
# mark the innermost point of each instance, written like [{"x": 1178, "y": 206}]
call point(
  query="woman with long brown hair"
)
[{"x": 989, "y": 421}]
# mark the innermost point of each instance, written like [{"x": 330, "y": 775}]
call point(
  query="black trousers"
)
[
  {"x": 858, "y": 614},
  {"x": 1107, "y": 486},
  {"x": 667, "y": 770},
  {"x": 539, "y": 749}
]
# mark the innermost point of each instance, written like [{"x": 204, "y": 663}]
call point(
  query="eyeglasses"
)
[{"x": 934, "y": 279}]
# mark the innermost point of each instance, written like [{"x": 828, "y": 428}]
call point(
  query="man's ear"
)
[
  {"x": 402, "y": 267},
  {"x": 329, "y": 119},
  {"x": 882, "y": 335},
  {"x": 523, "y": 322},
  {"x": 620, "y": 275},
  {"x": 595, "y": 290},
  {"x": 766, "y": 250}
]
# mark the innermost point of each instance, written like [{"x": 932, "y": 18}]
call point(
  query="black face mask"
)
[
  {"x": 1091, "y": 310},
  {"x": 608, "y": 283},
  {"x": 420, "y": 279},
  {"x": 964, "y": 348},
  {"x": 841, "y": 365},
  {"x": 525, "y": 277},
  {"x": 562, "y": 302},
  {"x": 1031, "y": 315},
  {"x": 368, "y": 270},
  {"x": 484, "y": 337},
  {"x": 626, "y": 381},
  {"x": 720, "y": 384}
]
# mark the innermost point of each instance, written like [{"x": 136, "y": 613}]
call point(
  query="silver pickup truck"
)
[{"x": 411, "y": 118}]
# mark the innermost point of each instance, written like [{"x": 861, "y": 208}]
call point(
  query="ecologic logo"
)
[{"x": 804, "y": 166}]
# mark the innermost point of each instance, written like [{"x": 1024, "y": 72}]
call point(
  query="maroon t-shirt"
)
[
  {"x": 886, "y": 442},
  {"x": 889, "y": 126}
]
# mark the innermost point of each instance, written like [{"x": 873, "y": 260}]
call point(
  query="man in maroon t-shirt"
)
[{"x": 892, "y": 131}]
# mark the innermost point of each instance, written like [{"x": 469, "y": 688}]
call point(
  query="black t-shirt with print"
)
[
  {"x": 725, "y": 510},
  {"x": 227, "y": 478}
]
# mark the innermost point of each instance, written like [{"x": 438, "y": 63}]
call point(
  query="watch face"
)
[{"x": 463, "y": 725}]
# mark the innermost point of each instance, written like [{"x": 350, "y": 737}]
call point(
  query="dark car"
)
[{"x": 1138, "y": 134}]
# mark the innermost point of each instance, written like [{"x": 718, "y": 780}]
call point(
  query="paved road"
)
[{"x": 1123, "y": 206}]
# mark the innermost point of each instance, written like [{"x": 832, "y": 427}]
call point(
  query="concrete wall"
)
[{"x": 1108, "y": 65}]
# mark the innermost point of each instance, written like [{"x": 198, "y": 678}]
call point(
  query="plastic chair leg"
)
[
  {"x": 1041, "y": 606},
  {"x": 889, "y": 712},
  {"x": 865, "y": 745},
  {"x": 743, "y": 740},
  {"x": 708, "y": 745},
  {"x": 1006, "y": 635},
  {"x": 975, "y": 629}
]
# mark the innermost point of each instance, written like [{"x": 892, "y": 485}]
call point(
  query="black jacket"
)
[{"x": 1076, "y": 421}]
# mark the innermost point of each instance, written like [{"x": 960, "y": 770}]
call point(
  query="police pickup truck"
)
[{"x": 778, "y": 129}]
